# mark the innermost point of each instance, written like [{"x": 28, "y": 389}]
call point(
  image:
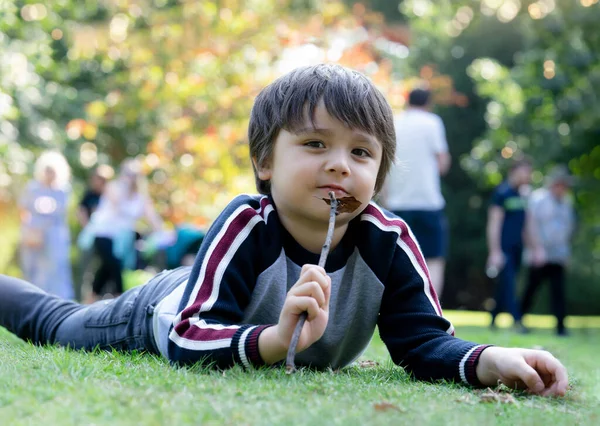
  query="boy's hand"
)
[
  {"x": 310, "y": 294},
  {"x": 537, "y": 371}
]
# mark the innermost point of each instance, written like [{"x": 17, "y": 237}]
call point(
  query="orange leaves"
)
[
  {"x": 79, "y": 127},
  {"x": 188, "y": 78}
]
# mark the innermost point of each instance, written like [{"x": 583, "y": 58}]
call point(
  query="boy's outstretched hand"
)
[
  {"x": 310, "y": 294},
  {"x": 539, "y": 372}
]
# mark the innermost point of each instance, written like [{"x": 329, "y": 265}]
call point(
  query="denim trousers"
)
[
  {"x": 124, "y": 323},
  {"x": 506, "y": 284}
]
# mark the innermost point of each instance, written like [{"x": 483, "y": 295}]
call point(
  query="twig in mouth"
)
[{"x": 342, "y": 205}]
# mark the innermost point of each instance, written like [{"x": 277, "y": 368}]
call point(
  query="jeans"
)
[
  {"x": 124, "y": 323},
  {"x": 506, "y": 284}
]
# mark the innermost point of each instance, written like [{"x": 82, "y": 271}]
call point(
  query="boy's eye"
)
[
  {"x": 360, "y": 152},
  {"x": 315, "y": 144}
]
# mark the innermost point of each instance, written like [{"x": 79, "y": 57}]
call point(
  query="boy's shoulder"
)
[
  {"x": 248, "y": 206},
  {"x": 383, "y": 219}
]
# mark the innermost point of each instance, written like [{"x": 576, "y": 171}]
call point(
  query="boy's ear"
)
[{"x": 263, "y": 171}]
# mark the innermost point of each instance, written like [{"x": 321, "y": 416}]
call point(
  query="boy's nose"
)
[{"x": 338, "y": 163}]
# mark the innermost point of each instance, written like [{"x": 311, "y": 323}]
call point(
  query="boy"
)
[
  {"x": 508, "y": 227},
  {"x": 317, "y": 129}
]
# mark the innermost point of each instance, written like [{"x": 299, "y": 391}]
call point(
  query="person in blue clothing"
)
[
  {"x": 315, "y": 130},
  {"x": 45, "y": 236},
  {"x": 509, "y": 228}
]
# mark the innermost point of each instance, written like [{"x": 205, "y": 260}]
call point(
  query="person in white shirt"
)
[{"x": 412, "y": 189}]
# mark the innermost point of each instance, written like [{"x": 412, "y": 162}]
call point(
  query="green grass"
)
[{"x": 56, "y": 386}]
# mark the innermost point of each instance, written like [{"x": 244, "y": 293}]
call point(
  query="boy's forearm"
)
[{"x": 270, "y": 347}]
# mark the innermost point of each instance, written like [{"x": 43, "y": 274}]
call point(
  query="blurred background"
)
[{"x": 171, "y": 83}]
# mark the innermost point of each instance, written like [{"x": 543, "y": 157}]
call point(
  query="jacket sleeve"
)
[
  {"x": 207, "y": 327},
  {"x": 411, "y": 323}
]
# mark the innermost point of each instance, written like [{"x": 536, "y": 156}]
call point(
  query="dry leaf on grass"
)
[
  {"x": 368, "y": 363},
  {"x": 490, "y": 395},
  {"x": 387, "y": 406},
  {"x": 467, "y": 399}
]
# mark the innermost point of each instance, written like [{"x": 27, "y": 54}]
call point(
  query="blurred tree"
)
[
  {"x": 169, "y": 81},
  {"x": 545, "y": 106},
  {"x": 41, "y": 86},
  {"x": 533, "y": 91}
]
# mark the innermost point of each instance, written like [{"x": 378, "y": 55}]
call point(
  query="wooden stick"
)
[{"x": 290, "y": 367}]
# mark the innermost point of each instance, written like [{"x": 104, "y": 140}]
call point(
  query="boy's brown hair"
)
[{"x": 349, "y": 97}]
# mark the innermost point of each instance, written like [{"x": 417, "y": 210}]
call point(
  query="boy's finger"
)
[
  {"x": 531, "y": 378},
  {"x": 327, "y": 291},
  {"x": 560, "y": 378},
  {"x": 548, "y": 365},
  {"x": 316, "y": 274},
  {"x": 307, "y": 268},
  {"x": 310, "y": 289},
  {"x": 305, "y": 304}
]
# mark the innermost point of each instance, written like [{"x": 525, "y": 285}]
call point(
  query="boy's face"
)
[{"x": 306, "y": 165}]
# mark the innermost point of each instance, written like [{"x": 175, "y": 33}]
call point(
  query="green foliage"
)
[
  {"x": 545, "y": 106},
  {"x": 496, "y": 57}
]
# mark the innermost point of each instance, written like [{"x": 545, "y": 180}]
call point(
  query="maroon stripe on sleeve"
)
[
  {"x": 252, "y": 351},
  {"x": 471, "y": 365},
  {"x": 216, "y": 257}
]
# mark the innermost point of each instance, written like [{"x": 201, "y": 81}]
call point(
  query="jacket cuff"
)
[
  {"x": 246, "y": 346},
  {"x": 468, "y": 365}
]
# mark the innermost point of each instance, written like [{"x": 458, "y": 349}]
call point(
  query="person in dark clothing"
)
[
  {"x": 87, "y": 206},
  {"x": 554, "y": 219},
  {"x": 91, "y": 197},
  {"x": 508, "y": 229}
]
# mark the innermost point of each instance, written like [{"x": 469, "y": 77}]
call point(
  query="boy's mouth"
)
[{"x": 338, "y": 190}]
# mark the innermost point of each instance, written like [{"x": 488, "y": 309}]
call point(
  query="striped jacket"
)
[{"x": 247, "y": 264}]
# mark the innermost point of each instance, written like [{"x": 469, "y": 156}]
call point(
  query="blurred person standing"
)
[
  {"x": 509, "y": 228},
  {"x": 552, "y": 214},
  {"x": 412, "y": 189},
  {"x": 124, "y": 202},
  {"x": 91, "y": 197},
  {"x": 87, "y": 206},
  {"x": 45, "y": 238}
]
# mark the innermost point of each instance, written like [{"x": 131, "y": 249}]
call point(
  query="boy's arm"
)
[
  {"x": 208, "y": 326},
  {"x": 410, "y": 323}
]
